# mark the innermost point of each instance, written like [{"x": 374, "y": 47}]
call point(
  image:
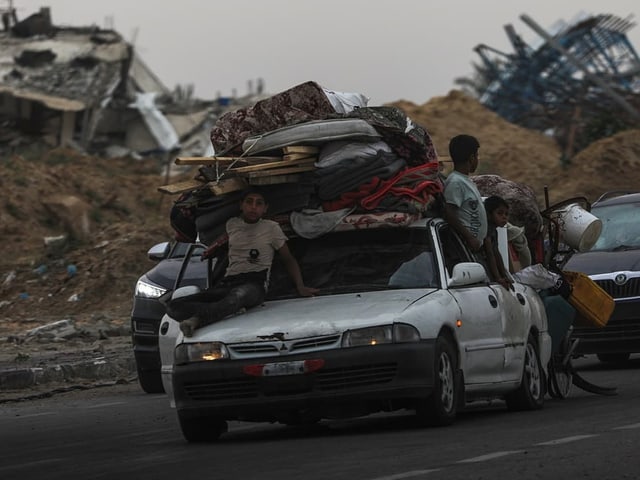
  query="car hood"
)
[
  {"x": 164, "y": 273},
  {"x": 309, "y": 317},
  {"x": 593, "y": 263}
]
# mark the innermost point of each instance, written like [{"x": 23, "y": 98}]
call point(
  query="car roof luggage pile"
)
[{"x": 323, "y": 159}]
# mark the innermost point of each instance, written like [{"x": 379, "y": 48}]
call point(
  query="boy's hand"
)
[{"x": 506, "y": 283}]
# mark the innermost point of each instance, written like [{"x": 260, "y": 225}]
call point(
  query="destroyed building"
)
[
  {"x": 87, "y": 88},
  {"x": 579, "y": 81}
]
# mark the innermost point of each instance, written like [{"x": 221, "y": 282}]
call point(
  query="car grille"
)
[
  {"x": 284, "y": 347},
  {"x": 325, "y": 380},
  {"x": 345, "y": 378},
  {"x": 630, "y": 289}
]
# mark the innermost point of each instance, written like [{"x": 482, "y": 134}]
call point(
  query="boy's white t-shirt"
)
[
  {"x": 460, "y": 191},
  {"x": 252, "y": 245}
]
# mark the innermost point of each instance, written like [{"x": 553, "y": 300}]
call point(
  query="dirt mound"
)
[
  {"x": 83, "y": 277},
  {"x": 612, "y": 163},
  {"x": 528, "y": 156}
]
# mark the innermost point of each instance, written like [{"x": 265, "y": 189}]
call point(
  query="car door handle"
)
[
  {"x": 493, "y": 301},
  {"x": 520, "y": 298}
]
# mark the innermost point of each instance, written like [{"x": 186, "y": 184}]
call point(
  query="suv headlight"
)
[
  {"x": 200, "y": 352},
  {"x": 148, "y": 290},
  {"x": 396, "y": 333}
]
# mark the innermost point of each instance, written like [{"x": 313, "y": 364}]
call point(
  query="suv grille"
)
[{"x": 630, "y": 289}]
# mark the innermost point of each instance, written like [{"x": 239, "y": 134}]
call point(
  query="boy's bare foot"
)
[{"x": 188, "y": 326}]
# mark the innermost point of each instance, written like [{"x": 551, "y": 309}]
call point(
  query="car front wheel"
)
[
  {"x": 530, "y": 394},
  {"x": 441, "y": 407},
  {"x": 201, "y": 429},
  {"x": 150, "y": 381}
]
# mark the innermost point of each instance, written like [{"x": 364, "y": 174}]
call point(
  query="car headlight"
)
[
  {"x": 396, "y": 333},
  {"x": 200, "y": 352},
  {"x": 148, "y": 290}
]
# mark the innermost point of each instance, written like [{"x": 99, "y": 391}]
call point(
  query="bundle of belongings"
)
[{"x": 324, "y": 160}]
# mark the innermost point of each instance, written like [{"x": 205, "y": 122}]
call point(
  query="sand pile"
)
[{"x": 528, "y": 156}]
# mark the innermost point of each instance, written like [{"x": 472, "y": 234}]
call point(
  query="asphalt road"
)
[{"x": 119, "y": 432}]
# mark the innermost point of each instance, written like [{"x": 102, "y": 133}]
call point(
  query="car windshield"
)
[
  {"x": 359, "y": 261},
  {"x": 620, "y": 226}
]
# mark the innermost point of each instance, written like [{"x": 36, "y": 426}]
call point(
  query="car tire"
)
[
  {"x": 613, "y": 357},
  {"x": 441, "y": 407},
  {"x": 201, "y": 429},
  {"x": 150, "y": 380},
  {"x": 532, "y": 389}
]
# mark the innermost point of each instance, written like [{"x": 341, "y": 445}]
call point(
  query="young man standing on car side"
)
[
  {"x": 464, "y": 209},
  {"x": 253, "y": 242}
]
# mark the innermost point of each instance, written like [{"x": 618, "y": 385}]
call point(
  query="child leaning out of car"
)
[
  {"x": 253, "y": 242},
  {"x": 497, "y": 216}
]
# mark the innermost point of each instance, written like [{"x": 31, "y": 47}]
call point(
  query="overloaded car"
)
[
  {"x": 148, "y": 310},
  {"x": 405, "y": 319},
  {"x": 614, "y": 264}
]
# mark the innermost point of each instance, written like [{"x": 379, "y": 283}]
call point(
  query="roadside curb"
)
[{"x": 78, "y": 366}]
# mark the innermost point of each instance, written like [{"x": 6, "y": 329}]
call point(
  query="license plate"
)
[{"x": 283, "y": 368}]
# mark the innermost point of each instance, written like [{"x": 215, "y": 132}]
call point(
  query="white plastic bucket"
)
[{"x": 578, "y": 228}]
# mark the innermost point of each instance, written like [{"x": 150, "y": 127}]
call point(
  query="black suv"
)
[
  {"x": 614, "y": 264},
  {"x": 147, "y": 311}
]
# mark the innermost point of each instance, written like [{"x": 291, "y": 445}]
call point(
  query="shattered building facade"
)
[{"x": 86, "y": 87}]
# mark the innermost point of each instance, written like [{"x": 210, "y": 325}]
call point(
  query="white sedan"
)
[{"x": 406, "y": 319}]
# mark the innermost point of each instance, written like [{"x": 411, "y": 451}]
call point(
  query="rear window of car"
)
[
  {"x": 620, "y": 226},
  {"x": 358, "y": 261}
]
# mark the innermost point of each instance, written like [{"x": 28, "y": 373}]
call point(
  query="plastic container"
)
[
  {"x": 578, "y": 228},
  {"x": 593, "y": 305}
]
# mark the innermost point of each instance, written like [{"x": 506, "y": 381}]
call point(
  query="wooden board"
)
[
  {"x": 275, "y": 179},
  {"x": 227, "y": 160},
  {"x": 228, "y": 185},
  {"x": 301, "y": 149},
  {"x": 181, "y": 187},
  {"x": 271, "y": 165},
  {"x": 298, "y": 156}
]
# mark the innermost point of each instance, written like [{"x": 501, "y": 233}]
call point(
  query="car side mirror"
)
[
  {"x": 467, "y": 273},
  {"x": 159, "y": 251}
]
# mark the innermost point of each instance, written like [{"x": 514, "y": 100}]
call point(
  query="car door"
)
[
  {"x": 515, "y": 315},
  {"x": 479, "y": 331}
]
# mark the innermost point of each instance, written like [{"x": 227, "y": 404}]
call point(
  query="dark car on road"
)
[
  {"x": 614, "y": 264},
  {"x": 147, "y": 309}
]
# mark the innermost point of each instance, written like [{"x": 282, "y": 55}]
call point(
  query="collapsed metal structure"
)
[{"x": 584, "y": 76}]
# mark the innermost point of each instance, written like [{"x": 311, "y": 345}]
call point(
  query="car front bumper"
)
[
  {"x": 359, "y": 379},
  {"x": 145, "y": 321},
  {"x": 621, "y": 334}
]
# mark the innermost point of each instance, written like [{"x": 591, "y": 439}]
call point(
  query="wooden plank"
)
[
  {"x": 301, "y": 149},
  {"x": 298, "y": 156},
  {"x": 270, "y": 165},
  {"x": 228, "y": 185},
  {"x": 213, "y": 160},
  {"x": 181, "y": 187},
  {"x": 280, "y": 171},
  {"x": 275, "y": 179}
]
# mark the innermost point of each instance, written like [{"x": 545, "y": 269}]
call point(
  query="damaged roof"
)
[{"x": 65, "y": 68}]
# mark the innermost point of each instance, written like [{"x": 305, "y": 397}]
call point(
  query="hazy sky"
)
[{"x": 387, "y": 50}]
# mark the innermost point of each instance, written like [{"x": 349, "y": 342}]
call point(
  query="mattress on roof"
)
[{"x": 311, "y": 133}]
